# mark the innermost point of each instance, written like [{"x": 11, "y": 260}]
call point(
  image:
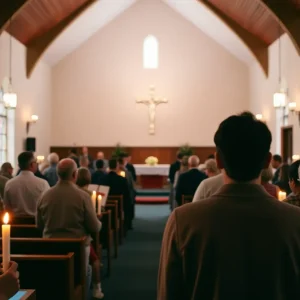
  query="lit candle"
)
[
  {"x": 281, "y": 196},
  {"x": 5, "y": 243},
  {"x": 99, "y": 204},
  {"x": 94, "y": 197},
  {"x": 122, "y": 173}
]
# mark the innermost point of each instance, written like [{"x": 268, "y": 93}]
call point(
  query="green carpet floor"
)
[{"x": 134, "y": 272}]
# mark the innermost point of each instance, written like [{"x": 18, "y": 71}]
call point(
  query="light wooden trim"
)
[
  {"x": 257, "y": 47},
  {"x": 38, "y": 46}
]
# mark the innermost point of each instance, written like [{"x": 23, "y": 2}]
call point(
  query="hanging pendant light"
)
[
  {"x": 279, "y": 98},
  {"x": 10, "y": 98}
]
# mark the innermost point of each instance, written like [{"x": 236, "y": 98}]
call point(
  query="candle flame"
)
[
  {"x": 94, "y": 193},
  {"x": 6, "y": 218},
  {"x": 99, "y": 197}
]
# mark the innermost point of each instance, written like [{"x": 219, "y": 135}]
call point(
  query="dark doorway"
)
[{"x": 287, "y": 144}]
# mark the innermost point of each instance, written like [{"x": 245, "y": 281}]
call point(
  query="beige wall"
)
[
  {"x": 262, "y": 90},
  {"x": 95, "y": 87},
  {"x": 34, "y": 97}
]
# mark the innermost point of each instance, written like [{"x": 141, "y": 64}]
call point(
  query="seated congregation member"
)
[
  {"x": 83, "y": 182},
  {"x": 211, "y": 168},
  {"x": 85, "y": 153},
  {"x": 50, "y": 173},
  {"x": 208, "y": 187},
  {"x": 188, "y": 182},
  {"x": 132, "y": 192},
  {"x": 276, "y": 163},
  {"x": 98, "y": 177},
  {"x": 241, "y": 243},
  {"x": 119, "y": 186},
  {"x": 22, "y": 193},
  {"x": 294, "y": 181},
  {"x": 84, "y": 163},
  {"x": 283, "y": 179},
  {"x": 65, "y": 211},
  {"x": 7, "y": 170},
  {"x": 130, "y": 167},
  {"x": 184, "y": 167},
  {"x": 266, "y": 177}
]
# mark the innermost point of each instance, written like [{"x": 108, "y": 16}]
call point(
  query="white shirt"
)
[
  {"x": 208, "y": 187},
  {"x": 22, "y": 193}
]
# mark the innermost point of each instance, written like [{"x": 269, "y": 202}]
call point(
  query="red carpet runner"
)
[{"x": 151, "y": 200}]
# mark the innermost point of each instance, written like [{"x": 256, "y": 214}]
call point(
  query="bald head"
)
[
  {"x": 67, "y": 170},
  {"x": 100, "y": 155},
  {"x": 194, "y": 161}
]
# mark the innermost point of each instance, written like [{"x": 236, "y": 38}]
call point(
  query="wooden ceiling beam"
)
[
  {"x": 257, "y": 47},
  {"x": 8, "y": 9},
  {"x": 38, "y": 46},
  {"x": 288, "y": 17}
]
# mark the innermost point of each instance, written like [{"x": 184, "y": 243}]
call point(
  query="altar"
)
[{"x": 152, "y": 177}]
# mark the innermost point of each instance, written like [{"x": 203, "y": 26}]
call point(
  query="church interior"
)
[{"x": 138, "y": 81}]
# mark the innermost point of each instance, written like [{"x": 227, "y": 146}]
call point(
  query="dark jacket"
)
[
  {"x": 188, "y": 183},
  {"x": 98, "y": 177},
  {"x": 131, "y": 169},
  {"x": 173, "y": 169}
]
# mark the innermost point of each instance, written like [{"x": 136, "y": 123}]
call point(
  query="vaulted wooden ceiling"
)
[{"x": 258, "y": 23}]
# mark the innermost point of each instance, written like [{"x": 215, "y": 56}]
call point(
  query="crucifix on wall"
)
[{"x": 152, "y": 103}]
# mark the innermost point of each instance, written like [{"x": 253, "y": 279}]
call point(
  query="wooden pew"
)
[
  {"x": 23, "y": 231},
  {"x": 187, "y": 199},
  {"x": 51, "y": 276},
  {"x": 53, "y": 246},
  {"x": 106, "y": 236},
  {"x": 119, "y": 198},
  {"x": 115, "y": 224},
  {"x": 27, "y": 220}
]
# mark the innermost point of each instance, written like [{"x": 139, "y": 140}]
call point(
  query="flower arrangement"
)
[
  {"x": 151, "y": 161},
  {"x": 186, "y": 150}
]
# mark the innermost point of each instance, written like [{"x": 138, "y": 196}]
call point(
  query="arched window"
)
[{"x": 150, "y": 52}]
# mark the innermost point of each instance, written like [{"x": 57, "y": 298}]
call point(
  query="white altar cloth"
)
[{"x": 162, "y": 170}]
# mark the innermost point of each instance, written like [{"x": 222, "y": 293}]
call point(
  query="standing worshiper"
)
[
  {"x": 119, "y": 186},
  {"x": 188, "y": 182},
  {"x": 22, "y": 192},
  {"x": 132, "y": 192},
  {"x": 84, "y": 163},
  {"x": 294, "y": 181},
  {"x": 266, "y": 177},
  {"x": 85, "y": 153},
  {"x": 98, "y": 177},
  {"x": 283, "y": 179},
  {"x": 100, "y": 156},
  {"x": 7, "y": 170},
  {"x": 65, "y": 211},
  {"x": 276, "y": 164},
  {"x": 184, "y": 167},
  {"x": 73, "y": 155},
  {"x": 83, "y": 182},
  {"x": 211, "y": 168},
  {"x": 241, "y": 243},
  {"x": 50, "y": 173},
  {"x": 130, "y": 167}
]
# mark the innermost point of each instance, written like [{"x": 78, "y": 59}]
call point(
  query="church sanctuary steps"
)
[
  {"x": 51, "y": 276},
  {"x": 53, "y": 246}
]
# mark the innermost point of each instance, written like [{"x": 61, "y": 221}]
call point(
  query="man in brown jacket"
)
[{"x": 241, "y": 243}]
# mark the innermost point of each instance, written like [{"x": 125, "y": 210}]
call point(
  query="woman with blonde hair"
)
[
  {"x": 184, "y": 167},
  {"x": 211, "y": 168},
  {"x": 266, "y": 177}
]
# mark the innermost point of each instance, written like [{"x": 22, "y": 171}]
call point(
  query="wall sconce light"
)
[
  {"x": 279, "y": 99},
  {"x": 33, "y": 119},
  {"x": 295, "y": 157},
  {"x": 40, "y": 159}
]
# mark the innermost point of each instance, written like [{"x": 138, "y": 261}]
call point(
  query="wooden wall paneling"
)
[
  {"x": 257, "y": 47},
  {"x": 9, "y": 9},
  {"x": 165, "y": 155},
  {"x": 38, "y": 46},
  {"x": 288, "y": 16}
]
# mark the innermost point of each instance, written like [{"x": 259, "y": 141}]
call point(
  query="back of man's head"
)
[
  {"x": 67, "y": 170},
  {"x": 6, "y": 167},
  {"x": 113, "y": 164},
  {"x": 73, "y": 151},
  {"x": 25, "y": 160},
  {"x": 179, "y": 155},
  {"x": 99, "y": 164},
  {"x": 53, "y": 158},
  {"x": 277, "y": 158},
  {"x": 121, "y": 161},
  {"x": 294, "y": 173},
  {"x": 194, "y": 161},
  {"x": 243, "y": 145}
]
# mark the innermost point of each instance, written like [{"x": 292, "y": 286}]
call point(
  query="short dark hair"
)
[
  {"x": 277, "y": 157},
  {"x": 179, "y": 155},
  {"x": 73, "y": 150},
  {"x": 83, "y": 177},
  {"x": 112, "y": 164},
  {"x": 211, "y": 156},
  {"x": 121, "y": 160},
  {"x": 294, "y": 172},
  {"x": 25, "y": 159},
  {"x": 99, "y": 164},
  {"x": 243, "y": 136}
]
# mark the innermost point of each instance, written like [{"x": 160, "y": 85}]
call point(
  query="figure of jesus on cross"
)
[{"x": 152, "y": 102}]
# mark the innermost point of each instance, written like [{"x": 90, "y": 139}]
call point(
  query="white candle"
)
[
  {"x": 5, "y": 243},
  {"x": 122, "y": 173},
  {"x": 94, "y": 197},
  {"x": 99, "y": 204},
  {"x": 281, "y": 196}
]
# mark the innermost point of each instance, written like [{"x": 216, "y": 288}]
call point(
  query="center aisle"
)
[{"x": 134, "y": 272}]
